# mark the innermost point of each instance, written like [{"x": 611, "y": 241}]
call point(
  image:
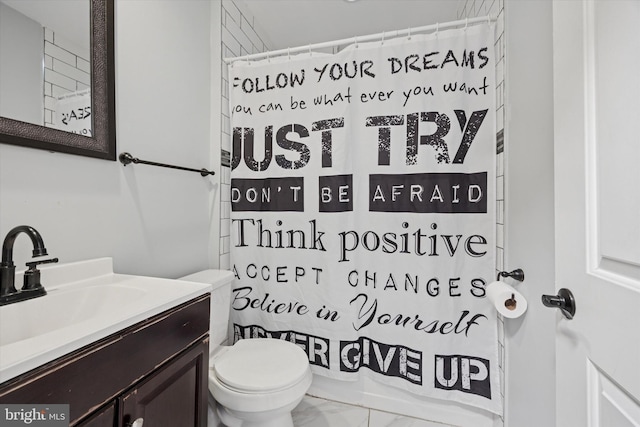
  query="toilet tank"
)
[{"x": 220, "y": 302}]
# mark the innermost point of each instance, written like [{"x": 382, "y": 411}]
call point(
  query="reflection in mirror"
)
[
  {"x": 45, "y": 74},
  {"x": 57, "y": 75}
]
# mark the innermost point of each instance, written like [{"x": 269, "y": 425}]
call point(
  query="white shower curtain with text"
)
[{"x": 363, "y": 210}]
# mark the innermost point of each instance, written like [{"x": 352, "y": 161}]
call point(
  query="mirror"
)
[{"x": 76, "y": 119}]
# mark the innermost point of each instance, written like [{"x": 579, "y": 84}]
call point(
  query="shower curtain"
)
[{"x": 363, "y": 210}]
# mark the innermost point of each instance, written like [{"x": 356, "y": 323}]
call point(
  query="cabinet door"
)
[
  {"x": 103, "y": 418},
  {"x": 174, "y": 396}
]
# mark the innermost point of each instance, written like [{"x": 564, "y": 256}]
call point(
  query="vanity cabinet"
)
[{"x": 155, "y": 370}]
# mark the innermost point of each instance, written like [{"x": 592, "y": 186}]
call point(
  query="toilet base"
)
[{"x": 246, "y": 419}]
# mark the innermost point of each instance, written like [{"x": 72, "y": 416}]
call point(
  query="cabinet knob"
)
[{"x": 137, "y": 423}]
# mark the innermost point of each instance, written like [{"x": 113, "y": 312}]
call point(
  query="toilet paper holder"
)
[
  {"x": 517, "y": 274},
  {"x": 504, "y": 297}
]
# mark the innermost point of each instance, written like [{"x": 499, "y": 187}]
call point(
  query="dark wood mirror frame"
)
[{"x": 102, "y": 144}]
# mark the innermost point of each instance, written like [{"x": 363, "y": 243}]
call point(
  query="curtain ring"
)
[
  {"x": 437, "y": 28},
  {"x": 466, "y": 23},
  {"x": 309, "y": 50},
  {"x": 355, "y": 41},
  {"x": 409, "y": 33},
  {"x": 289, "y": 53},
  {"x": 382, "y": 38}
]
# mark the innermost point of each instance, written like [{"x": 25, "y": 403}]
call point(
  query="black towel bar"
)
[{"x": 126, "y": 158}]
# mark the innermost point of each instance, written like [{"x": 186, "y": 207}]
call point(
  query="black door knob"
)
[{"x": 564, "y": 301}]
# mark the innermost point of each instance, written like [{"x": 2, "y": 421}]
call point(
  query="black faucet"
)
[{"x": 31, "y": 287}]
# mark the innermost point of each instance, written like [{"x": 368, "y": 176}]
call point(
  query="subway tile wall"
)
[
  {"x": 239, "y": 37},
  {"x": 495, "y": 8},
  {"x": 66, "y": 70}
]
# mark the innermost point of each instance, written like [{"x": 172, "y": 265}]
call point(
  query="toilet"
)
[{"x": 255, "y": 382}]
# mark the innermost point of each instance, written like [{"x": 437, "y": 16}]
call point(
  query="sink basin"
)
[
  {"x": 61, "y": 308},
  {"x": 85, "y": 301}
]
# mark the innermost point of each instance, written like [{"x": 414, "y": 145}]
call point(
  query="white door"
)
[{"x": 597, "y": 205}]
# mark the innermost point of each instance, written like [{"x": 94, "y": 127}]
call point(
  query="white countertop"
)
[{"x": 85, "y": 301}]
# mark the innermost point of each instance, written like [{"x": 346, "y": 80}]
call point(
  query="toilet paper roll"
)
[{"x": 509, "y": 302}]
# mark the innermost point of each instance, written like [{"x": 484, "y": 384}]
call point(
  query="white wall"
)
[
  {"x": 529, "y": 221},
  {"x": 152, "y": 221},
  {"x": 525, "y": 208}
]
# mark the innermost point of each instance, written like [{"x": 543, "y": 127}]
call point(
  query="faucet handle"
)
[{"x": 32, "y": 275}]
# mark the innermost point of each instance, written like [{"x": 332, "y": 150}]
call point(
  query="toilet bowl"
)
[{"x": 255, "y": 382}]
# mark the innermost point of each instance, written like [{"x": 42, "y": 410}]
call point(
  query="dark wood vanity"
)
[{"x": 155, "y": 370}]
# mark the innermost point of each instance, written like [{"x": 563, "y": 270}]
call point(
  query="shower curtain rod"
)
[{"x": 371, "y": 37}]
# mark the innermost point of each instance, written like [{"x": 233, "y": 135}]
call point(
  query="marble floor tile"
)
[
  {"x": 385, "y": 419},
  {"x": 314, "y": 412}
]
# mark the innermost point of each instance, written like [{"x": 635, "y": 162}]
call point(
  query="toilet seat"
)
[{"x": 261, "y": 365}]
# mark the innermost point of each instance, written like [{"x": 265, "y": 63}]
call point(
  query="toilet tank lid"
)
[{"x": 216, "y": 278}]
